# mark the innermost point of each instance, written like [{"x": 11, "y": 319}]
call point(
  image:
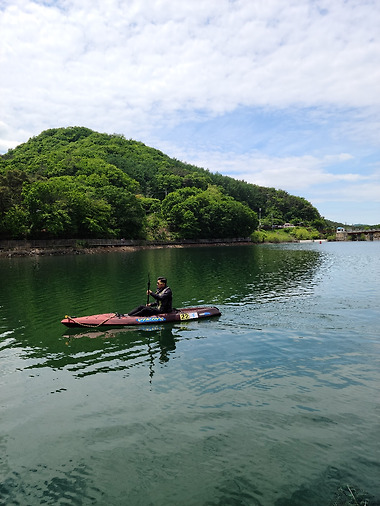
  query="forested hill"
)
[{"x": 74, "y": 182}]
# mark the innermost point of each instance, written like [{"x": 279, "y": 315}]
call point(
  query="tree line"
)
[{"x": 77, "y": 183}]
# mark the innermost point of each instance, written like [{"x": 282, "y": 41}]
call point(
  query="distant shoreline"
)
[{"x": 30, "y": 251}]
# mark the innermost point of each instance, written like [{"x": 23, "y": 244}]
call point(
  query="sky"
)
[{"x": 279, "y": 93}]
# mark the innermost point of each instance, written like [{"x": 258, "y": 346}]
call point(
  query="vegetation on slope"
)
[{"x": 74, "y": 182}]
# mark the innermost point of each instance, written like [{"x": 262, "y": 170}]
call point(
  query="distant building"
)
[{"x": 341, "y": 234}]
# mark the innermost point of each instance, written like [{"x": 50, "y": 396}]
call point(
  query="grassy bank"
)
[{"x": 293, "y": 234}]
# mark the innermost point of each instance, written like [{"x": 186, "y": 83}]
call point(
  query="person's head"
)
[{"x": 161, "y": 282}]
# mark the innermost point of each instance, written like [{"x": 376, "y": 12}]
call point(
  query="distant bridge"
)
[{"x": 357, "y": 235}]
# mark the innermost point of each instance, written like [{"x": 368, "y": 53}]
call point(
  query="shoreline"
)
[
  {"x": 62, "y": 251},
  {"x": 72, "y": 250}
]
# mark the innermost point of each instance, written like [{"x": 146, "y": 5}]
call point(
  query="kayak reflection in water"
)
[{"x": 163, "y": 296}]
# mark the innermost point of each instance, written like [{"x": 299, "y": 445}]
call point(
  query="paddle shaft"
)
[{"x": 147, "y": 299}]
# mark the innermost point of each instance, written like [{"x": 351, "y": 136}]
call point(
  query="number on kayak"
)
[{"x": 189, "y": 316}]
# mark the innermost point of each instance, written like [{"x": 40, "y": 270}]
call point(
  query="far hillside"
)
[{"x": 77, "y": 183}]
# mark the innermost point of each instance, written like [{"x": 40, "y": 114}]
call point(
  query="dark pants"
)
[{"x": 144, "y": 311}]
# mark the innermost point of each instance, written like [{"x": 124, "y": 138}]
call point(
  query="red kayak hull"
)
[{"x": 118, "y": 320}]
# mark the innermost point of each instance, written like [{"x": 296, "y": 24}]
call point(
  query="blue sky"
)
[{"x": 281, "y": 93}]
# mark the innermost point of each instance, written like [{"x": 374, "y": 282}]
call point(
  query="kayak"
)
[{"x": 121, "y": 320}]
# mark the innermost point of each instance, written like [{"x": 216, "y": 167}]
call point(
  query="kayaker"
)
[{"x": 163, "y": 304}]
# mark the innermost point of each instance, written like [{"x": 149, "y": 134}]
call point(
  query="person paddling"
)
[{"x": 163, "y": 296}]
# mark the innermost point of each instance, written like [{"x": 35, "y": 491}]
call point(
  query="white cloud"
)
[
  {"x": 322, "y": 181},
  {"x": 141, "y": 67},
  {"x": 292, "y": 173},
  {"x": 185, "y": 55}
]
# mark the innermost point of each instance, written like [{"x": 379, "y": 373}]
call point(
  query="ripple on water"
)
[{"x": 272, "y": 403}]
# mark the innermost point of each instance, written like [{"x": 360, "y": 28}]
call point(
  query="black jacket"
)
[{"x": 164, "y": 299}]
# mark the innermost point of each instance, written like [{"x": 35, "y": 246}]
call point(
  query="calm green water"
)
[{"x": 274, "y": 403}]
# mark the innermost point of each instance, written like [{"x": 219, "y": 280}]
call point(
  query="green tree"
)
[
  {"x": 193, "y": 213},
  {"x": 14, "y": 223},
  {"x": 127, "y": 212},
  {"x": 62, "y": 207}
]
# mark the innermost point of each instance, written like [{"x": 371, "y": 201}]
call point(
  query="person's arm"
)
[{"x": 151, "y": 304}]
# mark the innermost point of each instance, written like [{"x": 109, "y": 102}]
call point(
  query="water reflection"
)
[
  {"x": 251, "y": 405},
  {"x": 102, "y": 351},
  {"x": 37, "y": 293},
  {"x": 243, "y": 274},
  {"x": 163, "y": 334}
]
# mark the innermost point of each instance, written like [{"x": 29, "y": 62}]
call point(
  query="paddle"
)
[{"x": 147, "y": 300}]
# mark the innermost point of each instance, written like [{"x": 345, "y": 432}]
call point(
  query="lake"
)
[{"x": 276, "y": 402}]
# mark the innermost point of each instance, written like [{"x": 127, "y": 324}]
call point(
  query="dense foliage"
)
[
  {"x": 74, "y": 182},
  {"x": 193, "y": 212}
]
